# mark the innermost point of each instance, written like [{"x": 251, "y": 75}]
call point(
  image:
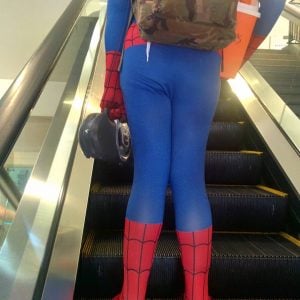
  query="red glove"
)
[{"x": 112, "y": 98}]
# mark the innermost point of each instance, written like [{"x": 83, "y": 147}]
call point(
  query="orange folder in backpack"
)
[{"x": 233, "y": 55}]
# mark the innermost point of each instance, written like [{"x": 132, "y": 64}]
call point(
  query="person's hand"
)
[{"x": 112, "y": 98}]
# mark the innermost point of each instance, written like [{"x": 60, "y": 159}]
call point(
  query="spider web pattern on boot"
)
[
  {"x": 195, "y": 250},
  {"x": 140, "y": 241}
]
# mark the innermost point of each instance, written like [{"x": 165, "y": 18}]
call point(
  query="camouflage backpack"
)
[{"x": 200, "y": 24}]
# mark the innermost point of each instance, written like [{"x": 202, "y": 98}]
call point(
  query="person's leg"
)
[
  {"x": 149, "y": 117},
  {"x": 193, "y": 107}
]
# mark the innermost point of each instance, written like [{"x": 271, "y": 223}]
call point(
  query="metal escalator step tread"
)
[
  {"x": 225, "y": 245},
  {"x": 244, "y": 191},
  {"x": 275, "y": 62},
  {"x": 282, "y": 81},
  {"x": 270, "y": 76},
  {"x": 226, "y": 136},
  {"x": 224, "y": 191},
  {"x": 212, "y": 190},
  {"x": 233, "y": 167},
  {"x": 248, "y": 208},
  {"x": 243, "y": 265},
  {"x": 278, "y": 55},
  {"x": 261, "y": 265},
  {"x": 221, "y": 167},
  {"x": 238, "y": 208},
  {"x": 292, "y": 70},
  {"x": 229, "y": 109},
  {"x": 109, "y": 244},
  {"x": 254, "y": 246}
]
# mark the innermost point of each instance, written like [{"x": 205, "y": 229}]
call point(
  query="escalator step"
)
[
  {"x": 221, "y": 167},
  {"x": 293, "y": 71},
  {"x": 271, "y": 75},
  {"x": 282, "y": 81},
  {"x": 291, "y": 61},
  {"x": 272, "y": 54},
  {"x": 238, "y": 208},
  {"x": 229, "y": 110},
  {"x": 295, "y": 108},
  {"x": 243, "y": 265},
  {"x": 226, "y": 136},
  {"x": 289, "y": 90},
  {"x": 233, "y": 167},
  {"x": 261, "y": 265}
]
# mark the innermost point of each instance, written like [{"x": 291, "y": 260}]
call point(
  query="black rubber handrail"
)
[{"x": 23, "y": 93}]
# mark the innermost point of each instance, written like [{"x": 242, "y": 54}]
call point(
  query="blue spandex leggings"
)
[{"x": 170, "y": 102}]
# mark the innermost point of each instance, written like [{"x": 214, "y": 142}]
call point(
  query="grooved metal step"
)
[
  {"x": 221, "y": 167},
  {"x": 278, "y": 75},
  {"x": 272, "y": 54},
  {"x": 281, "y": 82},
  {"x": 292, "y": 71},
  {"x": 238, "y": 208},
  {"x": 282, "y": 72},
  {"x": 226, "y": 136},
  {"x": 291, "y": 61},
  {"x": 243, "y": 265},
  {"x": 228, "y": 109}
]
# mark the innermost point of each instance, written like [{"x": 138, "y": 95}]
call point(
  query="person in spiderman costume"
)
[{"x": 170, "y": 95}]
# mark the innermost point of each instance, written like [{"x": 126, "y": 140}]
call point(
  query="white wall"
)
[
  {"x": 277, "y": 37},
  {"x": 23, "y": 26},
  {"x": 4, "y": 85}
]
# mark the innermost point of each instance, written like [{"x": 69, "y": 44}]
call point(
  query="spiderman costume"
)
[{"x": 170, "y": 94}]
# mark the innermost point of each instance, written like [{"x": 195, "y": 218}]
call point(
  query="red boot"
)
[
  {"x": 139, "y": 246},
  {"x": 195, "y": 250}
]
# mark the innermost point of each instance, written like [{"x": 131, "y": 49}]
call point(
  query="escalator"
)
[
  {"x": 281, "y": 69},
  {"x": 256, "y": 248},
  {"x": 253, "y": 257},
  {"x": 67, "y": 53}
]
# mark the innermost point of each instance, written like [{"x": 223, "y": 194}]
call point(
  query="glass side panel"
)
[
  {"x": 56, "y": 99},
  {"x": 7, "y": 214}
]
